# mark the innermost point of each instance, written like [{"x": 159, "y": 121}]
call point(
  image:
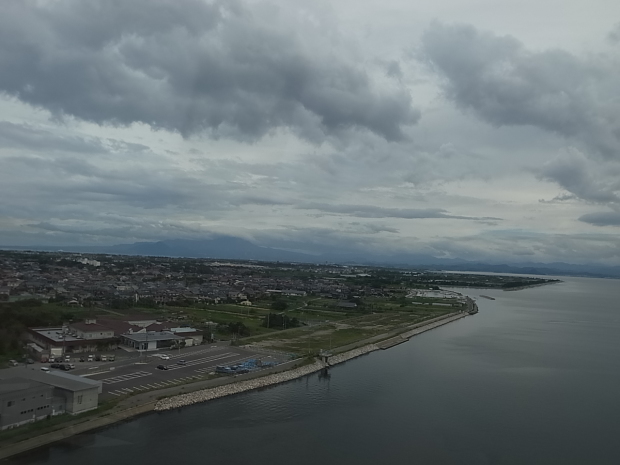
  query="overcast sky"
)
[{"x": 479, "y": 129}]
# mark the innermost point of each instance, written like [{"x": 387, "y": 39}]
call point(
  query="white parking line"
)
[
  {"x": 229, "y": 362},
  {"x": 198, "y": 352},
  {"x": 127, "y": 377},
  {"x": 200, "y": 361}
]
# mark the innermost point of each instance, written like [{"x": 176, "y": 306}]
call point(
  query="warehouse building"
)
[{"x": 28, "y": 395}]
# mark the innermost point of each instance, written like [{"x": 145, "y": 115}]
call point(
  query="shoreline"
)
[
  {"x": 206, "y": 395},
  {"x": 221, "y": 387}
]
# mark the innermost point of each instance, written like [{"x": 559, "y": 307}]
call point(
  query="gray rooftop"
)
[
  {"x": 18, "y": 384},
  {"x": 152, "y": 336},
  {"x": 56, "y": 334},
  {"x": 53, "y": 378}
]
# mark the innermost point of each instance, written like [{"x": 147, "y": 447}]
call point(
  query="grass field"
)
[
  {"x": 331, "y": 334},
  {"x": 325, "y": 326}
]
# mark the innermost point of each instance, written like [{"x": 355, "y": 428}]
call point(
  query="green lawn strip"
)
[
  {"x": 321, "y": 340},
  {"x": 313, "y": 339},
  {"x": 314, "y": 316}
]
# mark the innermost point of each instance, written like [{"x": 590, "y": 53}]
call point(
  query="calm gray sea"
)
[{"x": 534, "y": 378}]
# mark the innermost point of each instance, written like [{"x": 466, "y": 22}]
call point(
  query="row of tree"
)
[
  {"x": 280, "y": 321},
  {"x": 15, "y": 317}
]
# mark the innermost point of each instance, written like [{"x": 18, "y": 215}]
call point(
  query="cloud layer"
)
[
  {"x": 503, "y": 83},
  {"x": 228, "y": 68},
  {"x": 321, "y": 126}
]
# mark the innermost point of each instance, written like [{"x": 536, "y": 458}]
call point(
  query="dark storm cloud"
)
[
  {"x": 227, "y": 68},
  {"x": 503, "y": 83},
  {"x": 369, "y": 211},
  {"x": 611, "y": 218}
]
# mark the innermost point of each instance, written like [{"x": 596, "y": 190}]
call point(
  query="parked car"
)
[
  {"x": 111, "y": 358},
  {"x": 91, "y": 358},
  {"x": 104, "y": 358},
  {"x": 82, "y": 359},
  {"x": 164, "y": 357},
  {"x": 64, "y": 367},
  {"x": 13, "y": 363},
  {"x": 162, "y": 367},
  {"x": 70, "y": 366},
  {"x": 58, "y": 359},
  {"x": 55, "y": 365},
  {"x": 29, "y": 361},
  {"x": 67, "y": 359},
  {"x": 46, "y": 369},
  {"x": 97, "y": 358},
  {"x": 181, "y": 362}
]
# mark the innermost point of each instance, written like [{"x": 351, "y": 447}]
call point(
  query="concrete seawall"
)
[{"x": 205, "y": 395}]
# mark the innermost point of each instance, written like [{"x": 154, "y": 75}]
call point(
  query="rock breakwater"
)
[{"x": 205, "y": 395}]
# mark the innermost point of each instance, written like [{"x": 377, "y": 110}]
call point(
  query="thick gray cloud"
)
[
  {"x": 337, "y": 160},
  {"x": 503, "y": 83},
  {"x": 611, "y": 218},
  {"x": 614, "y": 34},
  {"x": 370, "y": 211},
  {"x": 228, "y": 68},
  {"x": 597, "y": 183},
  {"x": 520, "y": 245},
  {"x": 24, "y": 136}
]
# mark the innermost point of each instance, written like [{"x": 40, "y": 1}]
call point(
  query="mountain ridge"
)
[{"x": 234, "y": 248}]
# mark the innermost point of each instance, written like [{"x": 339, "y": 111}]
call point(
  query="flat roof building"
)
[
  {"x": 72, "y": 394},
  {"x": 25, "y": 401},
  {"x": 150, "y": 340}
]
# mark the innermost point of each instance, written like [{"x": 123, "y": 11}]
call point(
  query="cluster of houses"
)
[{"x": 81, "y": 281}]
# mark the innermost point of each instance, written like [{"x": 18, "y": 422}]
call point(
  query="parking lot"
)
[{"x": 137, "y": 374}]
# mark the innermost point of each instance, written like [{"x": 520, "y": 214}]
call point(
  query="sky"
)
[{"x": 482, "y": 130}]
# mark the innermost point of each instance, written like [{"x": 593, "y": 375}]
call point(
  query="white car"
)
[
  {"x": 164, "y": 357},
  {"x": 45, "y": 369}
]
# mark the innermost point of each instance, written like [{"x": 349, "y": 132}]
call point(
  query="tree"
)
[
  {"x": 279, "y": 305},
  {"x": 239, "y": 328},
  {"x": 280, "y": 321}
]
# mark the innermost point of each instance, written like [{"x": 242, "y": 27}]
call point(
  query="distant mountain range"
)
[{"x": 234, "y": 248}]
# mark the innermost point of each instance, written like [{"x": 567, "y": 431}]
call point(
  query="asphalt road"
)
[
  {"x": 133, "y": 372},
  {"x": 137, "y": 374}
]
